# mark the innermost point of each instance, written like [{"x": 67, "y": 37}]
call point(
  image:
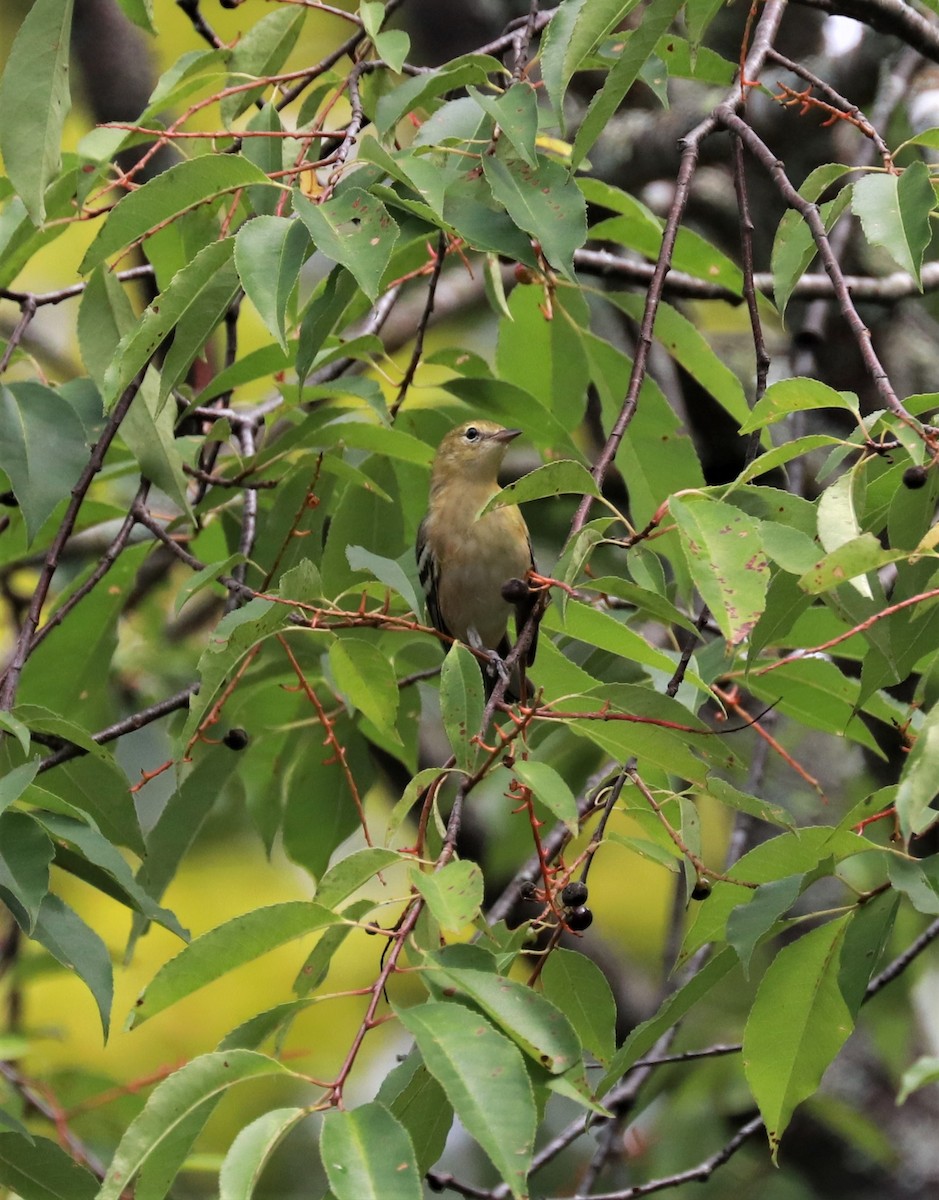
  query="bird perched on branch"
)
[{"x": 473, "y": 569}]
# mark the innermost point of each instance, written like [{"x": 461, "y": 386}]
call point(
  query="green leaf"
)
[
  {"x": 368, "y": 1155},
  {"x": 39, "y": 427},
  {"x": 195, "y": 300},
  {"x": 25, "y": 855},
  {"x": 895, "y": 213},
  {"x": 543, "y": 200},
  {"x": 484, "y": 1077},
  {"x": 417, "y": 91},
  {"x": 787, "y": 396},
  {"x": 642, "y": 1039},
  {"x": 391, "y": 45},
  {"x": 226, "y": 947},
  {"x": 515, "y": 113},
  {"x": 576, "y": 29},
  {"x": 638, "y": 44},
  {"x": 453, "y": 894},
  {"x": 421, "y": 1105},
  {"x": 251, "y": 1150},
  {"x": 751, "y": 921},
  {"x": 105, "y": 315},
  {"x": 725, "y": 555},
  {"x": 918, "y": 779},
  {"x": 72, "y": 943},
  {"x": 168, "y": 195},
  {"x": 550, "y": 789},
  {"x": 352, "y": 228},
  {"x": 87, "y": 842},
  {"x": 849, "y": 562},
  {"x": 38, "y": 1169},
  {"x": 839, "y": 526},
  {"x": 919, "y": 882},
  {"x": 922, "y": 1073},
  {"x": 351, "y": 872},
  {"x": 691, "y": 350},
  {"x": 386, "y": 571},
  {"x": 35, "y": 100},
  {"x": 367, "y": 679},
  {"x": 560, "y": 478},
  {"x": 461, "y": 702},
  {"x": 318, "y": 961},
  {"x": 794, "y": 244},
  {"x": 580, "y": 990},
  {"x": 149, "y": 432},
  {"x": 15, "y": 782},
  {"x": 269, "y": 252},
  {"x": 798, "y": 1023},
  {"x": 538, "y": 1027},
  {"x": 173, "y": 1101},
  {"x": 261, "y": 51}
]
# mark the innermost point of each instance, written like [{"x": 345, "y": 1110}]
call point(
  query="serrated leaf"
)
[
  {"x": 797, "y": 1024},
  {"x": 515, "y": 113},
  {"x": 418, "y": 90},
  {"x": 895, "y": 213},
  {"x": 26, "y": 853},
  {"x": 193, "y": 303},
  {"x": 15, "y": 782},
  {"x": 367, "y": 679},
  {"x": 536, "y": 1025},
  {"x": 269, "y": 252},
  {"x": 796, "y": 395},
  {"x": 543, "y": 200},
  {"x": 484, "y": 1078},
  {"x": 261, "y": 51},
  {"x": 638, "y": 44},
  {"x": 368, "y": 1155},
  {"x": 461, "y": 702},
  {"x": 351, "y": 872},
  {"x": 578, "y": 987},
  {"x": 550, "y": 788},
  {"x": 168, "y": 195},
  {"x": 76, "y": 946},
  {"x": 39, "y": 426},
  {"x": 251, "y": 1150},
  {"x": 453, "y": 894},
  {"x": 227, "y": 946},
  {"x": 354, "y": 229},
  {"x": 560, "y": 478},
  {"x": 173, "y": 1102},
  {"x": 35, "y": 100},
  {"x": 918, "y": 787},
  {"x": 724, "y": 552},
  {"x": 38, "y": 1169},
  {"x": 576, "y": 29}
]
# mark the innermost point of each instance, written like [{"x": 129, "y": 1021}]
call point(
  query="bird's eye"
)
[{"x": 472, "y": 434}]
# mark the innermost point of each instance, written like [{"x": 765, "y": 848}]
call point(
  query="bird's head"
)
[{"x": 474, "y": 450}]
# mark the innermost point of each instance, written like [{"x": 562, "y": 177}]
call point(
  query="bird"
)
[{"x": 468, "y": 564}]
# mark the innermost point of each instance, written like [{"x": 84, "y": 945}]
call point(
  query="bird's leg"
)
[{"x": 496, "y": 665}]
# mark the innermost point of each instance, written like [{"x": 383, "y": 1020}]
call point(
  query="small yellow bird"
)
[{"x": 464, "y": 561}]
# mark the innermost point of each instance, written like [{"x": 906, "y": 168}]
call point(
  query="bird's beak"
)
[{"x": 506, "y": 435}]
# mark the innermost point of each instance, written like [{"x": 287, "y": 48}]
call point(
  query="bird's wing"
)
[{"x": 429, "y": 574}]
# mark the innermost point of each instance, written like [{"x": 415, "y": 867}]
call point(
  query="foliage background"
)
[{"x": 337, "y": 399}]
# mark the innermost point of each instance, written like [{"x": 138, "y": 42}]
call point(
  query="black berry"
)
[
  {"x": 579, "y": 919},
  {"x": 701, "y": 890},
  {"x": 236, "y": 739},
  {"x": 574, "y": 894},
  {"x": 914, "y": 477}
]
